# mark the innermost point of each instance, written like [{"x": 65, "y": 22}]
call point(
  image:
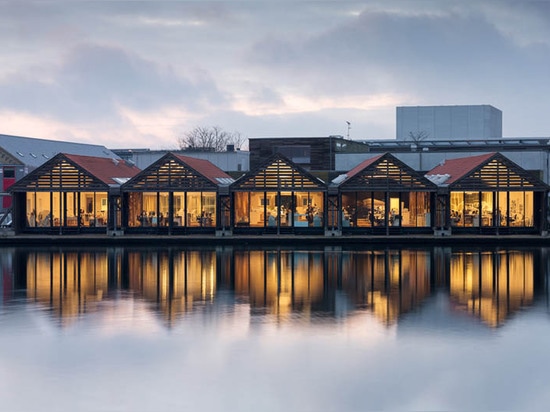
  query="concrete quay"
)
[{"x": 284, "y": 241}]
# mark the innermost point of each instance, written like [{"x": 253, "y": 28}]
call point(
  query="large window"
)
[
  {"x": 46, "y": 209},
  {"x": 284, "y": 209},
  {"x": 367, "y": 209},
  {"x": 474, "y": 209},
  {"x": 191, "y": 209}
]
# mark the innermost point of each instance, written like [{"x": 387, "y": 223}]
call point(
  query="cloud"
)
[
  {"x": 385, "y": 52},
  {"x": 426, "y": 56},
  {"x": 93, "y": 80},
  {"x": 92, "y": 63}
]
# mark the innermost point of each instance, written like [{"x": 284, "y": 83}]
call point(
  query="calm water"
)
[{"x": 274, "y": 330}]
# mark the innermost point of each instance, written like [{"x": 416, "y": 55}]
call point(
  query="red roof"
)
[
  {"x": 205, "y": 168},
  {"x": 105, "y": 169},
  {"x": 361, "y": 166},
  {"x": 458, "y": 168}
]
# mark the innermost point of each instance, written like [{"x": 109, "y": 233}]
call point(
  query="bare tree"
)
[
  {"x": 419, "y": 136},
  {"x": 213, "y": 139}
]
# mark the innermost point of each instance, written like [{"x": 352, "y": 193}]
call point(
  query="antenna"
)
[{"x": 349, "y": 127}]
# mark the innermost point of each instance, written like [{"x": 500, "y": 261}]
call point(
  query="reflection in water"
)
[
  {"x": 492, "y": 285},
  {"x": 173, "y": 280},
  {"x": 69, "y": 283},
  {"x": 312, "y": 284}
]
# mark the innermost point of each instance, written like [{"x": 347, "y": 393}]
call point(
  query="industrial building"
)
[{"x": 448, "y": 122}]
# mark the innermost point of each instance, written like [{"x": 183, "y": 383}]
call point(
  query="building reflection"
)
[
  {"x": 174, "y": 281},
  {"x": 70, "y": 283},
  {"x": 310, "y": 285},
  {"x": 281, "y": 281},
  {"x": 492, "y": 285},
  {"x": 388, "y": 282}
]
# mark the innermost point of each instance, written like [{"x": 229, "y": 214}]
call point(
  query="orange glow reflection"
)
[
  {"x": 387, "y": 282},
  {"x": 324, "y": 284},
  {"x": 69, "y": 283},
  {"x": 174, "y": 281},
  {"x": 492, "y": 285}
]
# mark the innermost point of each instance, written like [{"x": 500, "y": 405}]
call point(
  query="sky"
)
[{"x": 140, "y": 74}]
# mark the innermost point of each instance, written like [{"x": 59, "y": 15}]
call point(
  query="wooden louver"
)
[
  {"x": 387, "y": 174},
  {"x": 498, "y": 175},
  {"x": 169, "y": 175},
  {"x": 279, "y": 175},
  {"x": 61, "y": 176}
]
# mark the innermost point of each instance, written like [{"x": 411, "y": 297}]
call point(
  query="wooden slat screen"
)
[
  {"x": 279, "y": 175},
  {"x": 387, "y": 174},
  {"x": 170, "y": 175},
  {"x": 63, "y": 176},
  {"x": 498, "y": 175}
]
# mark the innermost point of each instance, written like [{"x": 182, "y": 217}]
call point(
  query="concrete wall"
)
[
  {"x": 227, "y": 161},
  {"x": 449, "y": 122}
]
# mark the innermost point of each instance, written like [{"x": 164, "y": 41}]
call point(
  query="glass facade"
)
[
  {"x": 67, "y": 209},
  {"x": 279, "y": 195},
  {"x": 283, "y": 209},
  {"x": 386, "y": 193},
  {"x": 474, "y": 209},
  {"x": 189, "y": 209},
  {"x": 174, "y": 193},
  {"x": 380, "y": 192},
  {"x": 368, "y": 209}
]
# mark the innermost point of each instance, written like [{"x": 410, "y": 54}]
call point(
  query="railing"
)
[{"x": 5, "y": 218}]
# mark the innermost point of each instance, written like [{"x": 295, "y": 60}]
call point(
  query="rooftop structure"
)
[
  {"x": 33, "y": 152},
  {"x": 231, "y": 161},
  {"x": 416, "y": 123}
]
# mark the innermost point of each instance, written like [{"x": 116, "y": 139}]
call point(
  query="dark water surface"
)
[{"x": 130, "y": 329}]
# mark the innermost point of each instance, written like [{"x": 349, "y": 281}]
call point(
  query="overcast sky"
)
[{"x": 140, "y": 74}]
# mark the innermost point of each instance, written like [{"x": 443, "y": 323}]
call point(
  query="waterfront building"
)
[
  {"x": 279, "y": 197},
  {"x": 177, "y": 194},
  {"x": 489, "y": 194},
  {"x": 382, "y": 195},
  {"x": 71, "y": 194},
  {"x": 21, "y": 155}
]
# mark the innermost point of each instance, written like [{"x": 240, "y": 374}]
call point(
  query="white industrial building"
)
[{"x": 448, "y": 122}]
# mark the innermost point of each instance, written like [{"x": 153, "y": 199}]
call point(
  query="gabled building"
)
[
  {"x": 178, "y": 194},
  {"x": 278, "y": 197},
  {"x": 71, "y": 194},
  {"x": 383, "y": 195},
  {"x": 489, "y": 193},
  {"x": 21, "y": 155}
]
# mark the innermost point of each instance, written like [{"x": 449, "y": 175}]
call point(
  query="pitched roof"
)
[
  {"x": 279, "y": 172},
  {"x": 207, "y": 169},
  {"x": 109, "y": 171},
  {"x": 383, "y": 172},
  {"x": 363, "y": 165},
  {"x": 34, "y": 152},
  {"x": 456, "y": 169}
]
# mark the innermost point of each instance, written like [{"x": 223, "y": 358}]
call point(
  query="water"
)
[{"x": 275, "y": 329}]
